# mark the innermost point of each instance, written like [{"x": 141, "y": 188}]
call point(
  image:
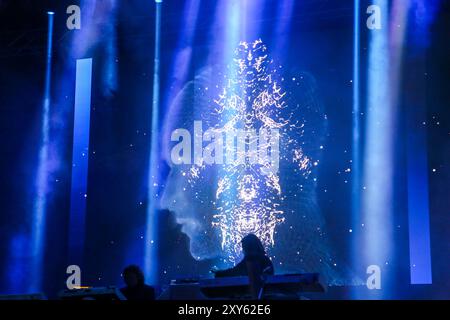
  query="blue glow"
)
[
  {"x": 285, "y": 11},
  {"x": 356, "y": 147},
  {"x": 356, "y": 116},
  {"x": 418, "y": 209},
  {"x": 180, "y": 68},
  {"x": 39, "y": 212},
  {"x": 234, "y": 14},
  {"x": 378, "y": 155},
  {"x": 418, "y": 206},
  {"x": 109, "y": 42},
  {"x": 151, "y": 237},
  {"x": 16, "y": 275},
  {"x": 80, "y": 158}
]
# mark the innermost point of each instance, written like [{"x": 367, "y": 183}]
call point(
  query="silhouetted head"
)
[
  {"x": 252, "y": 246},
  {"x": 133, "y": 276}
]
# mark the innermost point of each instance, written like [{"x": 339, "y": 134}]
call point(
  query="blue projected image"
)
[{"x": 219, "y": 204}]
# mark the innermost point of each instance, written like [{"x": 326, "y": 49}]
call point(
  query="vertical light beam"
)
[
  {"x": 80, "y": 158},
  {"x": 417, "y": 160},
  {"x": 356, "y": 162},
  {"x": 356, "y": 106},
  {"x": 180, "y": 68},
  {"x": 285, "y": 12},
  {"x": 378, "y": 156},
  {"x": 418, "y": 207},
  {"x": 151, "y": 237},
  {"x": 39, "y": 212}
]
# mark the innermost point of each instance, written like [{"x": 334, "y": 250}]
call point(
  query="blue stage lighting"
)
[
  {"x": 80, "y": 157},
  {"x": 151, "y": 237},
  {"x": 377, "y": 197},
  {"x": 356, "y": 159},
  {"x": 40, "y": 204},
  {"x": 418, "y": 207}
]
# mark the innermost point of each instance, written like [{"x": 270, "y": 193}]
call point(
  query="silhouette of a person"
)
[
  {"x": 255, "y": 265},
  {"x": 255, "y": 260},
  {"x": 136, "y": 289}
]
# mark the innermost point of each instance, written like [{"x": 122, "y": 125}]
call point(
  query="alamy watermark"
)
[
  {"x": 225, "y": 146},
  {"x": 74, "y": 279}
]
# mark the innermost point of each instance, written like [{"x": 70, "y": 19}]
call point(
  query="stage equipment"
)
[
  {"x": 287, "y": 286},
  {"x": 100, "y": 293}
]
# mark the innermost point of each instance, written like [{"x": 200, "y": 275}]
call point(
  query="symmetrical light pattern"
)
[
  {"x": 217, "y": 202},
  {"x": 248, "y": 191}
]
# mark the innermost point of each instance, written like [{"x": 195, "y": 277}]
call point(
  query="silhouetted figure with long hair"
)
[
  {"x": 136, "y": 289},
  {"x": 255, "y": 264}
]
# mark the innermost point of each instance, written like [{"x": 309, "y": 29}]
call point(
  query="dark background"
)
[{"x": 120, "y": 120}]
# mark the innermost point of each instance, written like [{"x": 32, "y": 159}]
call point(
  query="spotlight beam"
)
[
  {"x": 356, "y": 161},
  {"x": 151, "y": 237},
  {"x": 39, "y": 212}
]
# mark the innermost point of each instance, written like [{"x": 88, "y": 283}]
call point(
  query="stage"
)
[{"x": 162, "y": 134}]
